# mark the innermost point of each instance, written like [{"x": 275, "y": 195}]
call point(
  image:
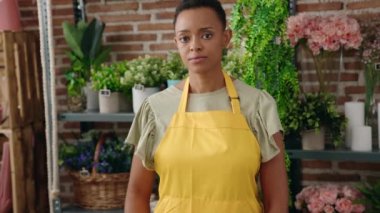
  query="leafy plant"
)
[
  {"x": 114, "y": 156},
  {"x": 260, "y": 27},
  {"x": 371, "y": 194},
  {"x": 313, "y": 111},
  {"x": 86, "y": 52},
  {"x": 233, "y": 63},
  {"x": 173, "y": 68},
  {"x": 109, "y": 77},
  {"x": 146, "y": 71}
]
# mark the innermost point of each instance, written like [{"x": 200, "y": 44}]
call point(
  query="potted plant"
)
[
  {"x": 144, "y": 76},
  {"x": 106, "y": 79},
  {"x": 173, "y": 69},
  {"x": 233, "y": 63},
  {"x": 314, "y": 117},
  {"x": 86, "y": 52},
  {"x": 99, "y": 166}
]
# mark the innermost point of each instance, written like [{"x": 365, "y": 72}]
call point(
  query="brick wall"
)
[{"x": 141, "y": 27}]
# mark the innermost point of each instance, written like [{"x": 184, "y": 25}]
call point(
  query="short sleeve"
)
[
  {"x": 266, "y": 124},
  {"x": 142, "y": 133}
]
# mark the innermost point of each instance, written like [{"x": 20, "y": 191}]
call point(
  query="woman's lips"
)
[{"x": 197, "y": 59}]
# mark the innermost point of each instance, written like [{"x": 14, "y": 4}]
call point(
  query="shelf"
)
[
  {"x": 96, "y": 117},
  {"x": 338, "y": 155}
]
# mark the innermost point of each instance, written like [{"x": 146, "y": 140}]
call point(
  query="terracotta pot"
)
[{"x": 9, "y": 15}]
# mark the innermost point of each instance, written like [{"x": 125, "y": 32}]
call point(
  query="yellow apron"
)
[{"x": 208, "y": 161}]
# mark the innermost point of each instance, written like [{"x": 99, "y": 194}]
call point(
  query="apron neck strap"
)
[{"x": 233, "y": 96}]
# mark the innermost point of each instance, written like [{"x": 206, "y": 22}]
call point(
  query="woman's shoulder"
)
[{"x": 251, "y": 94}]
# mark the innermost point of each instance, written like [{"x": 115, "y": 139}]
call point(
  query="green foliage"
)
[
  {"x": 86, "y": 52},
  {"x": 313, "y": 111},
  {"x": 109, "y": 77},
  {"x": 268, "y": 61},
  {"x": 146, "y": 71},
  {"x": 233, "y": 63},
  {"x": 371, "y": 194},
  {"x": 114, "y": 156},
  {"x": 173, "y": 68}
]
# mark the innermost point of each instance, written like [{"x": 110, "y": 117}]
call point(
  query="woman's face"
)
[{"x": 200, "y": 39}]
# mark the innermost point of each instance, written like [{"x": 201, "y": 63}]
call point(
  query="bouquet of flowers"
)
[
  {"x": 114, "y": 156},
  {"x": 320, "y": 36},
  {"x": 329, "y": 198},
  {"x": 370, "y": 54}
]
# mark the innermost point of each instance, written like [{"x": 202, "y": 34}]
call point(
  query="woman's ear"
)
[{"x": 227, "y": 37}]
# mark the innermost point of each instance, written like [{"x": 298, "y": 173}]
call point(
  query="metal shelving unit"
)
[
  {"x": 96, "y": 117},
  {"x": 334, "y": 155}
]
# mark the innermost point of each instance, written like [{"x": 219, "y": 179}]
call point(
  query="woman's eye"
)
[
  {"x": 184, "y": 39},
  {"x": 207, "y": 36}
]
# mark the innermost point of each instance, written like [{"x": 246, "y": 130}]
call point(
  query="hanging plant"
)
[{"x": 260, "y": 26}]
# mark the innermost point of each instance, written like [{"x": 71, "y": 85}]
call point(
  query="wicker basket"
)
[{"x": 99, "y": 191}]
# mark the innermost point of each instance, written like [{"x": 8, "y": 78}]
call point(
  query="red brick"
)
[
  {"x": 101, "y": 8},
  {"x": 168, "y": 36},
  {"x": 29, "y": 22},
  {"x": 62, "y": 2},
  {"x": 357, "y": 65},
  {"x": 366, "y": 16},
  {"x": 118, "y": 28},
  {"x": 319, "y": 6},
  {"x": 60, "y": 91},
  {"x": 359, "y": 166},
  {"x": 349, "y": 77},
  {"x": 343, "y": 99},
  {"x": 124, "y": 18},
  {"x": 165, "y": 15},
  {"x": 63, "y": 12},
  {"x": 62, "y": 102},
  {"x": 126, "y": 47},
  {"x": 60, "y": 42},
  {"x": 71, "y": 125},
  {"x": 131, "y": 37},
  {"x": 58, "y": 31},
  {"x": 159, "y": 5},
  {"x": 354, "y": 89},
  {"x": 57, "y": 22},
  {"x": 315, "y": 88},
  {"x": 28, "y": 13},
  {"x": 363, "y": 5},
  {"x": 27, "y": 3},
  {"x": 69, "y": 135},
  {"x": 313, "y": 77},
  {"x": 331, "y": 177},
  {"x": 316, "y": 164},
  {"x": 127, "y": 56},
  {"x": 373, "y": 179},
  {"x": 155, "y": 27},
  {"x": 163, "y": 46}
]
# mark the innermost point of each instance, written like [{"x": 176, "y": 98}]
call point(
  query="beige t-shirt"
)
[{"x": 149, "y": 125}]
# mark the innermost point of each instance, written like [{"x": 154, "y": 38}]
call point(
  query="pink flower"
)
[
  {"x": 328, "y": 209},
  {"x": 316, "y": 205},
  {"x": 343, "y": 205},
  {"x": 328, "y": 194},
  {"x": 350, "y": 192}
]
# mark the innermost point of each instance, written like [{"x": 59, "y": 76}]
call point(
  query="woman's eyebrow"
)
[{"x": 201, "y": 29}]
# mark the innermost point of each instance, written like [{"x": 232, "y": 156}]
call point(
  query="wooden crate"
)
[
  {"x": 25, "y": 196},
  {"x": 20, "y": 79}
]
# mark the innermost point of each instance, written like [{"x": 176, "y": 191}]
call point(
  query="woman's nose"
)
[{"x": 195, "y": 45}]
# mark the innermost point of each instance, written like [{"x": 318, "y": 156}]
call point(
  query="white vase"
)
[
  {"x": 313, "y": 139},
  {"x": 140, "y": 93},
  {"x": 354, "y": 112},
  {"x": 362, "y": 138},
  {"x": 92, "y": 98},
  {"x": 108, "y": 102}
]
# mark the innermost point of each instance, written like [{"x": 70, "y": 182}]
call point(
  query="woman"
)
[{"x": 209, "y": 138}]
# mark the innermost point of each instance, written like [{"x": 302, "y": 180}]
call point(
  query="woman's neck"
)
[{"x": 206, "y": 82}]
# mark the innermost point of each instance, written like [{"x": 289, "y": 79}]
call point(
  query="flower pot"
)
[
  {"x": 313, "y": 139},
  {"x": 92, "y": 98},
  {"x": 108, "y": 101},
  {"x": 76, "y": 103},
  {"x": 172, "y": 82},
  {"x": 9, "y": 15},
  {"x": 125, "y": 103},
  {"x": 140, "y": 93}
]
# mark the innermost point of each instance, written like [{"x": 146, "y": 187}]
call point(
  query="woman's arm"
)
[
  {"x": 139, "y": 188},
  {"x": 274, "y": 181}
]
